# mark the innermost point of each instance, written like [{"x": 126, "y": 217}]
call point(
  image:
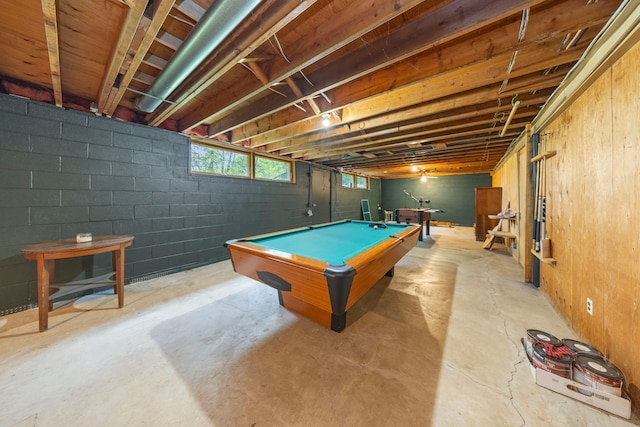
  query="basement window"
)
[
  {"x": 362, "y": 182},
  {"x": 273, "y": 169},
  {"x": 219, "y": 161},
  {"x": 348, "y": 180}
]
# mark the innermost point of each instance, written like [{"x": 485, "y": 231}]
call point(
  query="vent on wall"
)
[
  {"x": 17, "y": 309},
  {"x": 170, "y": 271},
  {"x": 152, "y": 276}
]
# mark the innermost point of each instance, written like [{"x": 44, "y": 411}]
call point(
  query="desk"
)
[
  {"x": 322, "y": 270},
  {"x": 415, "y": 216},
  {"x": 46, "y": 254}
]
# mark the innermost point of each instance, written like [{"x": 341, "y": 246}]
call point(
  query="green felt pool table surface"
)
[{"x": 333, "y": 243}]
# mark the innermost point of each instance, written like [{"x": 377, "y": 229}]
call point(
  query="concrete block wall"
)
[
  {"x": 346, "y": 201},
  {"x": 66, "y": 172},
  {"x": 455, "y": 195}
]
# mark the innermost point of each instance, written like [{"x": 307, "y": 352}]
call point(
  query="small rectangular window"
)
[
  {"x": 362, "y": 182},
  {"x": 348, "y": 180},
  {"x": 220, "y": 161},
  {"x": 274, "y": 169}
]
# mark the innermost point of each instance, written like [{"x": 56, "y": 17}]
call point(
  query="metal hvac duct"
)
[{"x": 214, "y": 26}]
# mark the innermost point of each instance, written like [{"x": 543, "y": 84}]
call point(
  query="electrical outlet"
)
[{"x": 589, "y": 306}]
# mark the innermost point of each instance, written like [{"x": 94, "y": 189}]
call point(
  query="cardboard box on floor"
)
[{"x": 620, "y": 406}]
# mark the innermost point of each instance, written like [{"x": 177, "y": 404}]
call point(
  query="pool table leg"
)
[
  {"x": 338, "y": 322},
  {"x": 280, "y": 299},
  {"x": 339, "y": 280},
  {"x": 339, "y": 290},
  {"x": 391, "y": 272}
]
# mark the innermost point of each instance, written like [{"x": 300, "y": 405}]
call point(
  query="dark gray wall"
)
[
  {"x": 346, "y": 201},
  {"x": 453, "y": 194},
  {"x": 65, "y": 172}
]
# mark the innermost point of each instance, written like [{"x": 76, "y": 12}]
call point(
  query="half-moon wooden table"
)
[{"x": 46, "y": 254}]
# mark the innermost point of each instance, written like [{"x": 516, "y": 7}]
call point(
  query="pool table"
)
[{"x": 320, "y": 271}]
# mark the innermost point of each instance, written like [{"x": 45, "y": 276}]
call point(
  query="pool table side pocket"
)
[{"x": 306, "y": 276}]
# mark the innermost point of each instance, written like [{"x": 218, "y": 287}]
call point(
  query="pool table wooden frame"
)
[{"x": 314, "y": 288}]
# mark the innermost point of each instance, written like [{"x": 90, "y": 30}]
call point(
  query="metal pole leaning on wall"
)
[
  {"x": 535, "y": 138},
  {"x": 543, "y": 190}
]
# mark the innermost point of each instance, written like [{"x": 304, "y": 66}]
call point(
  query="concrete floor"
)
[{"x": 437, "y": 345}]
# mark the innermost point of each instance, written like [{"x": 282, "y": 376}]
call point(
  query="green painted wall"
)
[
  {"x": 346, "y": 201},
  {"x": 453, "y": 194}
]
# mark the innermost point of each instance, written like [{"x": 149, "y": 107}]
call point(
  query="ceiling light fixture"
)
[
  {"x": 423, "y": 178},
  {"x": 326, "y": 119}
]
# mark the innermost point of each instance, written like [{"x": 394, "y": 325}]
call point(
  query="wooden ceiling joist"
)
[
  {"x": 138, "y": 53},
  {"x": 399, "y": 146},
  {"x": 49, "y": 15},
  {"x": 340, "y": 30},
  {"x": 340, "y": 74},
  {"x": 427, "y": 81},
  {"x": 282, "y": 13},
  {"x": 443, "y": 120},
  {"x": 128, "y": 32},
  {"x": 305, "y": 132},
  {"x": 373, "y": 56}
]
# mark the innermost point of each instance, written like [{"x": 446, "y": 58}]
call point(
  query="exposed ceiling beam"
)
[
  {"x": 427, "y": 157},
  {"x": 454, "y": 20},
  {"x": 131, "y": 23},
  {"x": 405, "y": 141},
  {"x": 161, "y": 11},
  {"x": 619, "y": 36},
  {"x": 435, "y": 92},
  {"x": 456, "y": 133},
  {"x": 282, "y": 13},
  {"x": 495, "y": 42},
  {"x": 475, "y": 76},
  {"x": 296, "y": 89},
  {"x": 190, "y": 9},
  {"x": 340, "y": 30},
  {"x": 429, "y": 82},
  {"x": 304, "y": 131},
  {"x": 51, "y": 31},
  {"x": 379, "y": 127},
  {"x": 130, "y": 3},
  {"x": 479, "y": 158}
]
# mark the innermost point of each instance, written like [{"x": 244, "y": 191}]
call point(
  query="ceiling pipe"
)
[
  {"x": 514, "y": 107},
  {"x": 215, "y": 25}
]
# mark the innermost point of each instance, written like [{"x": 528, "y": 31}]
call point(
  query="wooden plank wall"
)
[
  {"x": 510, "y": 178},
  {"x": 623, "y": 343},
  {"x": 593, "y": 215}
]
